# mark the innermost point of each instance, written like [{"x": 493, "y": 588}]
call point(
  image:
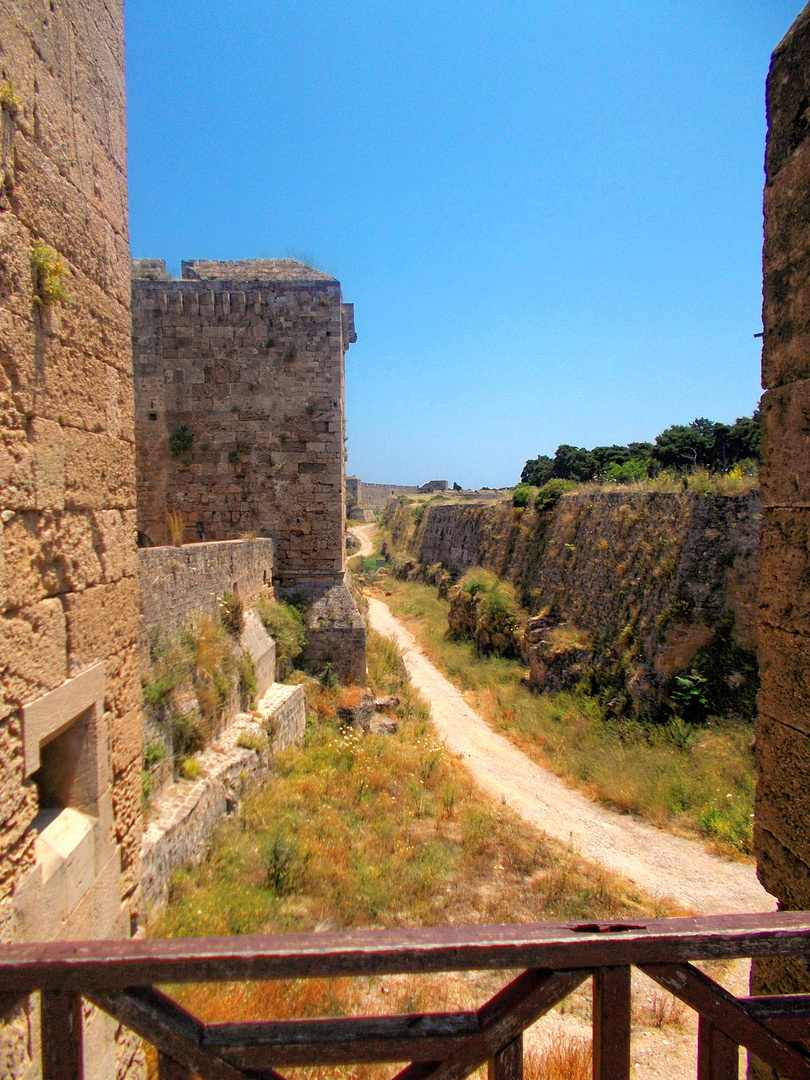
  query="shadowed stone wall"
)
[
  {"x": 782, "y": 833},
  {"x": 70, "y": 731}
]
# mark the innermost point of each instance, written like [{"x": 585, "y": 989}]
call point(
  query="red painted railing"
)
[{"x": 121, "y": 978}]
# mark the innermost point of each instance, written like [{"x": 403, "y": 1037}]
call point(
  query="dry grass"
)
[
  {"x": 174, "y": 522},
  {"x": 703, "y": 788},
  {"x": 360, "y": 830},
  {"x": 566, "y": 1057}
]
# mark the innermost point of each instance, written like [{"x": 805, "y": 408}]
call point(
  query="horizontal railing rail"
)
[{"x": 122, "y": 978}]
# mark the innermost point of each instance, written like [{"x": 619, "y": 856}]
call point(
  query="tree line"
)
[{"x": 681, "y": 448}]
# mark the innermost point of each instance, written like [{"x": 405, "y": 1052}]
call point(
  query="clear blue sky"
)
[{"x": 547, "y": 214}]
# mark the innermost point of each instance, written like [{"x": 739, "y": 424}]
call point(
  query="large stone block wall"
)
[
  {"x": 782, "y": 831},
  {"x": 666, "y": 567},
  {"x": 179, "y": 582},
  {"x": 249, "y": 357},
  {"x": 68, "y": 563}
]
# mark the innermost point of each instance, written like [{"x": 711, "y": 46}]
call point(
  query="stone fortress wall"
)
[
  {"x": 70, "y": 729},
  {"x": 177, "y": 583},
  {"x": 375, "y": 497},
  {"x": 239, "y": 421},
  {"x": 782, "y": 832},
  {"x": 249, "y": 358}
]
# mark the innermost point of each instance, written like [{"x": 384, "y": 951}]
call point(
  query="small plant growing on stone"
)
[
  {"x": 9, "y": 99},
  {"x": 50, "y": 271},
  {"x": 232, "y": 612},
  {"x": 153, "y": 753},
  {"x": 174, "y": 521},
  {"x": 180, "y": 441},
  {"x": 285, "y": 625},
  {"x": 189, "y": 768},
  {"x": 248, "y": 683},
  {"x": 251, "y": 740}
]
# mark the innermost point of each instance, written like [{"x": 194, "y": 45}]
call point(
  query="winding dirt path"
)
[{"x": 662, "y": 864}]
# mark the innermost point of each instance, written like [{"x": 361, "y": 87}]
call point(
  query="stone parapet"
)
[{"x": 179, "y": 582}]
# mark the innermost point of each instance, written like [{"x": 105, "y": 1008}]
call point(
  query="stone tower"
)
[{"x": 239, "y": 384}]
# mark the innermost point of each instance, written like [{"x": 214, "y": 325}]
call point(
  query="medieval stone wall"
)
[
  {"x": 662, "y": 571},
  {"x": 178, "y": 582},
  {"x": 782, "y": 832},
  {"x": 248, "y": 359},
  {"x": 70, "y": 838},
  {"x": 239, "y": 420}
]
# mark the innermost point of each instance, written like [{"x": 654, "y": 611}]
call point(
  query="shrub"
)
[
  {"x": 251, "y": 740},
  {"x": 189, "y": 768},
  {"x": 248, "y": 683},
  {"x": 284, "y": 863},
  {"x": 550, "y": 494},
  {"x": 418, "y": 513},
  {"x": 285, "y": 625},
  {"x": 50, "y": 270},
  {"x": 180, "y": 441},
  {"x": 521, "y": 495},
  {"x": 155, "y": 693},
  {"x": 497, "y": 624},
  {"x": 153, "y": 753},
  {"x": 188, "y": 733},
  {"x": 477, "y": 581}
]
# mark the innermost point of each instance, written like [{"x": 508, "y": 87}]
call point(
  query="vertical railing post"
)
[
  {"x": 611, "y": 1023},
  {"x": 508, "y": 1064},
  {"x": 61, "y": 1021},
  {"x": 168, "y": 1069},
  {"x": 718, "y": 1055}
]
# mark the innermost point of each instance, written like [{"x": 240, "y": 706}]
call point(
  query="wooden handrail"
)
[{"x": 122, "y": 977}]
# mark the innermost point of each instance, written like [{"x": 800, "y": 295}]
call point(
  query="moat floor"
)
[{"x": 662, "y": 864}]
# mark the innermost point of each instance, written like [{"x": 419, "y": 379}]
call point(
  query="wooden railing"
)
[{"x": 121, "y": 978}]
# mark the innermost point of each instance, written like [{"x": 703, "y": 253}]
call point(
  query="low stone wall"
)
[
  {"x": 187, "y": 812},
  {"x": 177, "y": 582}
]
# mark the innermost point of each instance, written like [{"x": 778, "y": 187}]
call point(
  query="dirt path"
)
[
  {"x": 662, "y": 864},
  {"x": 364, "y": 534}
]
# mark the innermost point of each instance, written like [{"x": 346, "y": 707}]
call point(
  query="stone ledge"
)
[{"x": 186, "y": 812}]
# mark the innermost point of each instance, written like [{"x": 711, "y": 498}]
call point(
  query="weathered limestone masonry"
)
[
  {"x": 656, "y": 570},
  {"x": 179, "y": 582},
  {"x": 782, "y": 833},
  {"x": 70, "y": 731},
  {"x": 240, "y": 420}
]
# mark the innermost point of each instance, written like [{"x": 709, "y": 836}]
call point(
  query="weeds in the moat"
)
[
  {"x": 696, "y": 779},
  {"x": 361, "y": 830}
]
